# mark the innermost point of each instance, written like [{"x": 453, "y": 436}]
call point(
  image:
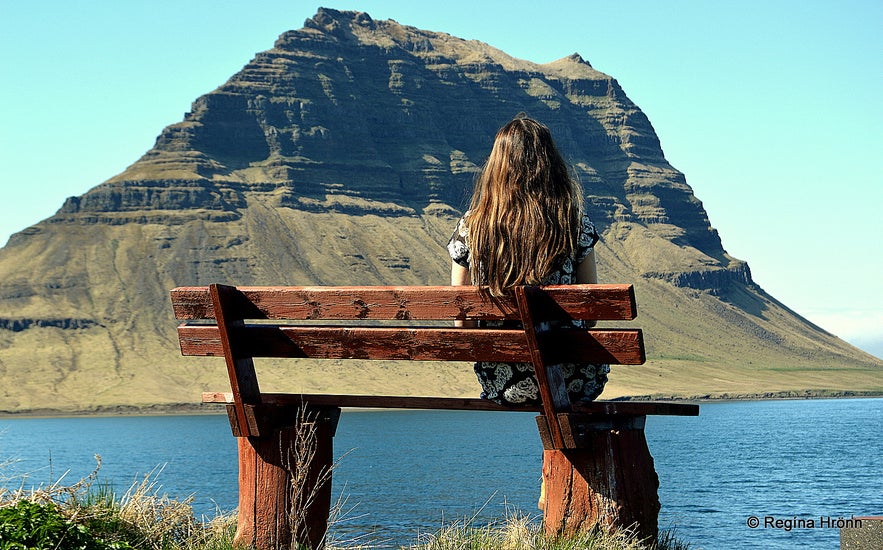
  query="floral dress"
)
[{"x": 515, "y": 383}]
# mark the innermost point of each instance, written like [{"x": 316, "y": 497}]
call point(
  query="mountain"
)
[{"x": 344, "y": 155}]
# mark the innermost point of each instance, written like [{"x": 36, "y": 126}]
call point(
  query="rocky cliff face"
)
[{"x": 344, "y": 155}]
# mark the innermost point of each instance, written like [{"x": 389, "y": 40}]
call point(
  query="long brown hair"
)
[{"x": 524, "y": 217}]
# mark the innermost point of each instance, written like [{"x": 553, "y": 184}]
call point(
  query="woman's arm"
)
[{"x": 460, "y": 277}]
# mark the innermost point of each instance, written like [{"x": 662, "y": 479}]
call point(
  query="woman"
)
[{"x": 525, "y": 226}]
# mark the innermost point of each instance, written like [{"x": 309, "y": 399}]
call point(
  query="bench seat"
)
[{"x": 626, "y": 408}]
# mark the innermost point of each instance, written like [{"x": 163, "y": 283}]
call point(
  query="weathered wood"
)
[
  {"x": 607, "y": 302},
  {"x": 375, "y": 402},
  {"x": 285, "y": 483},
  {"x": 596, "y": 464},
  {"x": 610, "y": 481},
  {"x": 240, "y": 366},
  {"x": 613, "y": 346},
  {"x": 576, "y": 429},
  {"x": 599, "y": 408},
  {"x": 550, "y": 378}
]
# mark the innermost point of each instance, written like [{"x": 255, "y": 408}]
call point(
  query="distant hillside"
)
[{"x": 344, "y": 155}]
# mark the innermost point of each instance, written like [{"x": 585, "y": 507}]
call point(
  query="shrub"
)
[{"x": 29, "y": 525}]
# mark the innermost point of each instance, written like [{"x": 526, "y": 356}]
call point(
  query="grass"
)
[
  {"x": 524, "y": 533},
  {"x": 90, "y": 515}
]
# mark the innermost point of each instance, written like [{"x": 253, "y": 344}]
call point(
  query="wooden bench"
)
[{"x": 596, "y": 464}]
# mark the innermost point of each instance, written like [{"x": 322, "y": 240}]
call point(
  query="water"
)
[
  {"x": 406, "y": 472},
  {"x": 773, "y": 460}
]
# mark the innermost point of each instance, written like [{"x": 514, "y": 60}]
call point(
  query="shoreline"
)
[{"x": 181, "y": 409}]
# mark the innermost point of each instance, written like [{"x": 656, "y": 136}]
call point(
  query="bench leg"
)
[
  {"x": 285, "y": 483},
  {"x": 608, "y": 481}
]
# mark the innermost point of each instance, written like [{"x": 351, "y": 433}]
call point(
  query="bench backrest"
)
[{"x": 290, "y": 325}]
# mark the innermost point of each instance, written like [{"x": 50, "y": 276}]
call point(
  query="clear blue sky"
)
[{"x": 771, "y": 108}]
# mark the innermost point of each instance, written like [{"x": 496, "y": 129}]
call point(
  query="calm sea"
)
[{"x": 404, "y": 473}]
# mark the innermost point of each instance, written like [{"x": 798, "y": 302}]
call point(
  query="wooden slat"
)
[
  {"x": 637, "y": 408},
  {"x": 549, "y": 377},
  {"x": 610, "y": 346},
  {"x": 599, "y": 302},
  {"x": 240, "y": 367},
  {"x": 613, "y": 346},
  {"x": 625, "y": 408}
]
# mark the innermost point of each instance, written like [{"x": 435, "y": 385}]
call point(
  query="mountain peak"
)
[
  {"x": 338, "y": 23},
  {"x": 577, "y": 58},
  {"x": 356, "y": 29}
]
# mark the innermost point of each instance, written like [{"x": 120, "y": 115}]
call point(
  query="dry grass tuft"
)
[
  {"x": 522, "y": 532},
  {"x": 142, "y": 518}
]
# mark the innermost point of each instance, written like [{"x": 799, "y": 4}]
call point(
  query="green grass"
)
[{"x": 90, "y": 515}]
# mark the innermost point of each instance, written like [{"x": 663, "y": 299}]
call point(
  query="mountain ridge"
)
[{"x": 344, "y": 155}]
